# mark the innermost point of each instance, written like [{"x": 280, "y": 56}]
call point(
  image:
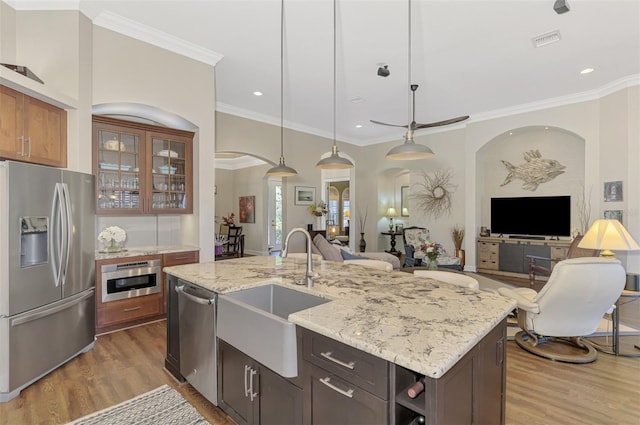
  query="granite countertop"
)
[
  {"x": 136, "y": 251},
  {"x": 421, "y": 324}
]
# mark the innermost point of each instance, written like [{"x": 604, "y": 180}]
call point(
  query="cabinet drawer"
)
[
  {"x": 336, "y": 401},
  {"x": 360, "y": 368},
  {"x": 122, "y": 311},
  {"x": 177, "y": 258},
  {"x": 558, "y": 253}
]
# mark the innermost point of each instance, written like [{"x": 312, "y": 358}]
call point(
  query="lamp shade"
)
[
  {"x": 391, "y": 212},
  {"x": 608, "y": 235},
  {"x": 405, "y": 212},
  {"x": 410, "y": 150},
  {"x": 281, "y": 170}
]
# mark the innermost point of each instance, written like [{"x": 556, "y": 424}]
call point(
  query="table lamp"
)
[
  {"x": 391, "y": 212},
  {"x": 608, "y": 236},
  {"x": 333, "y": 231}
]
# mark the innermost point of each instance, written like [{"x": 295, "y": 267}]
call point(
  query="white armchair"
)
[{"x": 570, "y": 306}]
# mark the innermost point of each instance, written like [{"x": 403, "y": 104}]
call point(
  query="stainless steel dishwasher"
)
[{"x": 197, "y": 330}]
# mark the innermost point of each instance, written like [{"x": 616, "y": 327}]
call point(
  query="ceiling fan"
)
[{"x": 416, "y": 126}]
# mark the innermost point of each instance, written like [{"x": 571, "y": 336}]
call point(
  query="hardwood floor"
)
[
  {"x": 130, "y": 362},
  {"x": 122, "y": 365}
]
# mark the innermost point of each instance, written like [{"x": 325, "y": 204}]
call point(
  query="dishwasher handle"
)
[{"x": 203, "y": 301}]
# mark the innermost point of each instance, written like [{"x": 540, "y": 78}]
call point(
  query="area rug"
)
[{"x": 161, "y": 406}]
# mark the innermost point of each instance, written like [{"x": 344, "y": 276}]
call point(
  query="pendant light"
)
[
  {"x": 334, "y": 161},
  {"x": 410, "y": 150},
  {"x": 281, "y": 170}
]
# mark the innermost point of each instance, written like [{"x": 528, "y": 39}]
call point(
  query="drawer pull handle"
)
[
  {"x": 184, "y": 257},
  {"x": 348, "y": 393},
  {"x": 328, "y": 355},
  {"x": 132, "y": 309}
]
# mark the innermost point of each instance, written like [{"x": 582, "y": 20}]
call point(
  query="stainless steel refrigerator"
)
[{"x": 47, "y": 271}]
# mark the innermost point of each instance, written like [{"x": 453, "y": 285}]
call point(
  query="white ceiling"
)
[{"x": 471, "y": 57}]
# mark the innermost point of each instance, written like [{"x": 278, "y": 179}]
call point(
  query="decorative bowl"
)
[{"x": 165, "y": 169}]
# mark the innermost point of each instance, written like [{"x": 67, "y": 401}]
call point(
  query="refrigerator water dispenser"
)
[{"x": 34, "y": 241}]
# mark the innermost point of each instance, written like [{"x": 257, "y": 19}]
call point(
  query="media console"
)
[{"x": 508, "y": 256}]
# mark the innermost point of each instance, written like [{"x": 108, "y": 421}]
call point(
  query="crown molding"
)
[
  {"x": 44, "y": 4},
  {"x": 133, "y": 29},
  {"x": 237, "y": 163},
  {"x": 599, "y": 93}
]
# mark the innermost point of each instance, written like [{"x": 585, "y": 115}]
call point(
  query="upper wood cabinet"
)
[
  {"x": 32, "y": 130},
  {"x": 141, "y": 169}
]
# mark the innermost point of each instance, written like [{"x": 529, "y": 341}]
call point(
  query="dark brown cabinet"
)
[
  {"x": 471, "y": 392},
  {"x": 347, "y": 386},
  {"x": 141, "y": 169},
  {"x": 32, "y": 130},
  {"x": 253, "y": 394},
  {"x": 342, "y": 384}
]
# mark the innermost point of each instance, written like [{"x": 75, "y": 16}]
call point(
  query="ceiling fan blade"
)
[
  {"x": 439, "y": 123},
  {"x": 390, "y": 125}
]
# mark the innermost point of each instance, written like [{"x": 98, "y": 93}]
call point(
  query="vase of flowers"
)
[
  {"x": 112, "y": 239},
  {"x": 432, "y": 251},
  {"x": 319, "y": 210}
]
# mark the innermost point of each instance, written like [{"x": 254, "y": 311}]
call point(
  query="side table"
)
[
  {"x": 393, "y": 249},
  {"x": 615, "y": 345}
]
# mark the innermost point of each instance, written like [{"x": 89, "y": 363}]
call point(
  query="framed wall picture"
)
[
  {"x": 305, "y": 195},
  {"x": 613, "y": 191},
  {"x": 404, "y": 201},
  {"x": 247, "y": 209},
  {"x": 613, "y": 215}
]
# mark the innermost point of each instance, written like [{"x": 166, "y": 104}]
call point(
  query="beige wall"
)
[
  {"x": 92, "y": 66},
  {"x": 7, "y": 34},
  {"x": 127, "y": 70}
]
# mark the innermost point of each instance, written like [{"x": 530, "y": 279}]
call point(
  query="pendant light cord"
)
[
  {"x": 334, "y": 72},
  {"x": 282, "y": 79},
  {"x": 409, "y": 65}
]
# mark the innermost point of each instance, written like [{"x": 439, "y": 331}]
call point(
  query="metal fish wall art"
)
[{"x": 535, "y": 171}]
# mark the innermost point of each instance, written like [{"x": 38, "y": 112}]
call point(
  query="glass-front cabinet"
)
[
  {"x": 141, "y": 169},
  {"x": 170, "y": 171}
]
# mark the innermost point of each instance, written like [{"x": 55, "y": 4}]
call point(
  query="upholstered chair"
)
[
  {"x": 413, "y": 237},
  {"x": 570, "y": 306}
]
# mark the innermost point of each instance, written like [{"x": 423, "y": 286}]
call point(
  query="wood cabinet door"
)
[
  {"x": 169, "y": 169},
  {"x": 11, "y": 124},
  {"x": 233, "y": 384},
  {"x": 280, "y": 400},
  {"x": 46, "y": 131}
]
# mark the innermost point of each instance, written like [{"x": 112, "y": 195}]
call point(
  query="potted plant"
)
[{"x": 457, "y": 234}]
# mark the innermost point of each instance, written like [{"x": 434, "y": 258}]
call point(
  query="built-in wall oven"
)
[{"x": 130, "y": 279}]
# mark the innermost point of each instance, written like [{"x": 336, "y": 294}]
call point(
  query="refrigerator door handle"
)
[
  {"x": 68, "y": 234},
  {"x": 57, "y": 235},
  {"x": 39, "y": 315}
]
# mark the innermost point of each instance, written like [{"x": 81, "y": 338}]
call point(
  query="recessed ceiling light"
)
[
  {"x": 257, "y": 93},
  {"x": 358, "y": 125},
  {"x": 586, "y": 71}
]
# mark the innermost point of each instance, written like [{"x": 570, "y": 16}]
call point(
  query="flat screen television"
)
[{"x": 531, "y": 216}]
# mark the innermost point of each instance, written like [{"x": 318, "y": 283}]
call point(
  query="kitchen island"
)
[{"x": 421, "y": 329}]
